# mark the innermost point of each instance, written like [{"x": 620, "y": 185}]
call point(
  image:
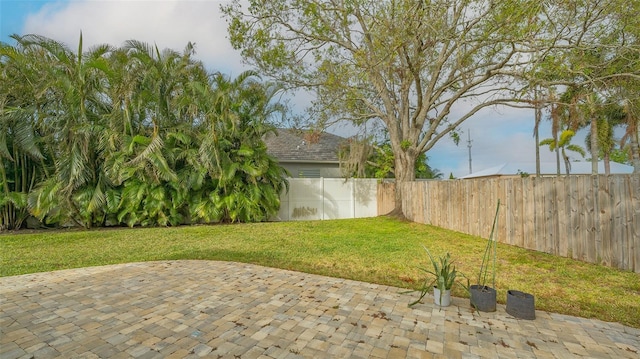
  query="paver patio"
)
[{"x": 183, "y": 309}]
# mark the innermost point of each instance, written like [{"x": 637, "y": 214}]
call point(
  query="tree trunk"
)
[
  {"x": 567, "y": 163},
  {"x": 558, "y": 160},
  {"x": 536, "y": 131},
  {"x": 607, "y": 163},
  {"x": 557, "y": 150},
  {"x": 405, "y": 163}
]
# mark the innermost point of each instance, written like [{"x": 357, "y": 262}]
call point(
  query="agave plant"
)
[{"x": 442, "y": 274}]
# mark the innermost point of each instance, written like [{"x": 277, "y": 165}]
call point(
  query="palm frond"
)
[
  {"x": 155, "y": 145},
  {"x": 577, "y": 149}
]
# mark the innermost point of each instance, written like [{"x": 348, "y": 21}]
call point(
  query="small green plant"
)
[{"x": 442, "y": 274}]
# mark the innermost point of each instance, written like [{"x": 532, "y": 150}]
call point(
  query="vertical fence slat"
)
[
  {"x": 490, "y": 205},
  {"x": 501, "y": 226},
  {"x": 538, "y": 231},
  {"x": 634, "y": 223},
  {"x": 620, "y": 243},
  {"x": 592, "y": 244},
  {"x": 576, "y": 237},
  {"x": 510, "y": 198},
  {"x": 605, "y": 209},
  {"x": 529, "y": 214},
  {"x": 550, "y": 216},
  {"x": 518, "y": 210},
  {"x": 564, "y": 209}
]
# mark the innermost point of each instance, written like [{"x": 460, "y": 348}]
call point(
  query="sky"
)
[{"x": 498, "y": 135}]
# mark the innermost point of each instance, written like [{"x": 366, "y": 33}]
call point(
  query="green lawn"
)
[{"x": 378, "y": 250}]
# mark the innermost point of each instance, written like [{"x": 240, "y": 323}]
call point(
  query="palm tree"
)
[
  {"x": 246, "y": 181},
  {"x": 20, "y": 164},
  {"x": 591, "y": 112},
  {"x": 536, "y": 129},
  {"x": 425, "y": 171},
  {"x": 611, "y": 115},
  {"x": 556, "y": 115},
  {"x": 632, "y": 133},
  {"x": 577, "y": 108},
  {"x": 154, "y": 107},
  {"x": 23, "y": 155},
  {"x": 70, "y": 122},
  {"x": 564, "y": 144}
]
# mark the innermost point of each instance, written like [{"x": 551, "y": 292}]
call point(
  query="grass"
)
[{"x": 377, "y": 250}]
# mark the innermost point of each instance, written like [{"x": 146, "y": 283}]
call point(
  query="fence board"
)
[
  {"x": 386, "y": 197},
  {"x": 501, "y": 228},
  {"x": 564, "y": 210},
  {"x": 489, "y": 205},
  {"x": 619, "y": 258},
  {"x": 591, "y": 218},
  {"x": 634, "y": 223},
  {"x": 425, "y": 205},
  {"x": 549, "y": 217},
  {"x": 591, "y": 246},
  {"x": 509, "y": 198},
  {"x": 605, "y": 209},
  {"x": 529, "y": 204},
  {"x": 577, "y": 230},
  {"x": 518, "y": 214}
]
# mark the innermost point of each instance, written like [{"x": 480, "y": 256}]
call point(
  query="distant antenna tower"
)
[{"x": 469, "y": 146}]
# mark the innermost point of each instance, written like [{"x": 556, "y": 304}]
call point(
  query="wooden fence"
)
[{"x": 591, "y": 218}]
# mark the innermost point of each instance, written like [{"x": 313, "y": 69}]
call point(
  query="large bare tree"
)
[{"x": 422, "y": 67}]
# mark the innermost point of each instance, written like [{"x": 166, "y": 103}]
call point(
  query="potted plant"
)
[
  {"x": 483, "y": 296},
  {"x": 521, "y": 305},
  {"x": 442, "y": 276}
]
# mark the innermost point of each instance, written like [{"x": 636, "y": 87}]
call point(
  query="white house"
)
[{"x": 306, "y": 154}]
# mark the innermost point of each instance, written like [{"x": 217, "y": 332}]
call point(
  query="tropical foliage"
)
[
  {"x": 131, "y": 135},
  {"x": 360, "y": 158},
  {"x": 578, "y": 108},
  {"x": 599, "y": 72},
  {"x": 563, "y": 144}
]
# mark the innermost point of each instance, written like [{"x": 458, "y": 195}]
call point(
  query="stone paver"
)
[{"x": 193, "y": 309}]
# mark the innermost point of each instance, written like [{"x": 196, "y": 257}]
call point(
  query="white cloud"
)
[{"x": 167, "y": 23}]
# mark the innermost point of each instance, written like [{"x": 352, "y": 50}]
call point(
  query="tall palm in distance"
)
[
  {"x": 577, "y": 108},
  {"x": 563, "y": 144},
  {"x": 631, "y": 136},
  {"x": 611, "y": 115}
]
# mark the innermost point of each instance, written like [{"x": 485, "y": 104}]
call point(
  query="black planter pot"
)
[
  {"x": 483, "y": 298},
  {"x": 521, "y": 305}
]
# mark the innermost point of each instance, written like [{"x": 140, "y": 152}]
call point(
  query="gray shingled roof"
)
[{"x": 290, "y": 145}]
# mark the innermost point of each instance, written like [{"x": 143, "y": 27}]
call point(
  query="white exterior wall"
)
[{"x": 328, "y": 198}]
